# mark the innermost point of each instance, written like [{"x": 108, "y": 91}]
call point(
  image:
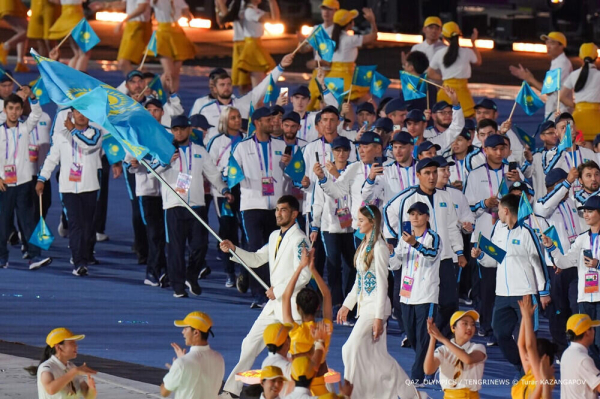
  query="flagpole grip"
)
[
  {"x": 512, "y": 111},
  {"x": 210, "y": 230},
  {"x": 349, "y": 93},
  {"x": 64, "y": 39},
  {"x": 14, "y": 80},
  {"x": 300, "y": 46}
]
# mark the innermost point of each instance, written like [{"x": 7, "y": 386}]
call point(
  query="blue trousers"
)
[
  {"x": 340, "y": 278},
  {"x": 154, "y": 219},
  {"x": 592, "y": 309},
  {"x": 506, "y": 317},
  {"x": 487, "y": 296},
  {"x": 17, "y": 199},
  {"x": 448, "y": 297},
  {"x": 80, "y": 210},
  {"x": 563, "y": 292},
  {"x": 415, "y": 318}
]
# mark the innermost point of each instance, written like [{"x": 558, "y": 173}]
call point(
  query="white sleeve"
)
[
  {"x": 546, "y": 205},
  {"x": 380, "y": 264},
  {"x": 173, "y": 378},
  {"x": 570, "y": 81},
  {"x": 436, "y": 61},
  {"x": 391, "y": 216}
]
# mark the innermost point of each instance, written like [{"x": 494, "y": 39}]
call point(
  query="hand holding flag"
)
[
  {"x": 490, "y": 249},
  {"x": 379, "y": 84},
  {"x": 296, "y": 168},
  {"x": 322, "y": 43},
  {"x": 272, "y": 91}
]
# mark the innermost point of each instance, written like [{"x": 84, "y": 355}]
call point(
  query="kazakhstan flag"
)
[
  {"x": 379, "y": 84},
  {"x": 39, "y": 90},
  {"x": 524, "y": 208},
  {"x": 363, "y": 75},
  {"x": 553, "y": 235},
  {"x": 251, "y": 127},
  {"x": 42, "y": 236},
  {"x": 84, "y": 36},
  {"x": 322, "y": 43},
  {"x": 551, "y": 81},
  {"x": 527, "y": 139},
  {"x": 412, "y": 87},
  {"x": 235, "y": 174},
  {"x": 157, "y": 87},
  {"x": 503, "y": 189},
  {"x": 490, "y": 249},
  {"x": 567, "y": 140},
  {"x": 152, "y": 44},
  {"x": 272, "y": 91},
  {"x": 133, "y": 127},
  {"x": 113, "y": 150},
  {"x": 296, "y": 168},
  {"x": 528, "y": 100}
]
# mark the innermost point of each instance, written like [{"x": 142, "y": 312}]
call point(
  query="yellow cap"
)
[
  {"x": 432, "y": 21},
  {"x": 580, "y": 323},
  {"x": 197, "y": 320},
  {"x": 556, "y": 36},
  {"x": 330, "y": 395},
  {"x": 332, "y": 4},
  {"x": 588, "y": 50},
  {"x": 271, "y": 373},
  {"x": 302, "y": 366},
  {"x": 344, "y": 17},
  {"x": 302, "y": 341},
  {"x": 276, "y": 333},
  {"x": 451, "y": 29},
  {"x": 61, "y": 334},
  {"x": 456, "y": 316}
]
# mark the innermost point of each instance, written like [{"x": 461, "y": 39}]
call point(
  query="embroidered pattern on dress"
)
[{"x": 370, "y": 282}]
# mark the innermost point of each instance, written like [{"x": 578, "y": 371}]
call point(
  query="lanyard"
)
[
  {"x": 219, "y": 105},
  {"x": 577, "y": 152},
  {"x": 487, "y": 169},
  {"x": 565, "y": 220},
  {"x": 324, "y": 153},
  {"x": 407, "y": 175},
  {"x": 189, "y": 165},
  {"x": 305, "y": 119},
  {"x": 260, "y": 160},
  {"x": 460, "y": 165},
  {"x": 75, "y": 148},
  {"x": 223, "y": 152},
  {"x": 16, "y": 140},
  {"x": 416, "y": 256}
]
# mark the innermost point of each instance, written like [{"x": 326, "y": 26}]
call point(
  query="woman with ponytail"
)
[
  {"x": 57, "y": 377},
  {"x": 367, "y": 363},
  {"x": 585, "y": 83},
  {"x": 453, "y": 66}
]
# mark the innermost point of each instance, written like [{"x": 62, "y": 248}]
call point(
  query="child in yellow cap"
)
[
  {"x": 453, "y": 66},
  {"x": 57, "y": 377},
  {"x": 585, "y": 95},
  {"x": 271, "y": 380},
  {"x": 277, "y": 339},
  {"x": 311, "y": 338},
  {"x": 460, "y": 361},
  {"x": 537, "y": 357}
]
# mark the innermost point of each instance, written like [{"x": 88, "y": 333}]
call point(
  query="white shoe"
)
[
  {"x": 62, "y": 231},
  {"x": 101, "y": 237}
]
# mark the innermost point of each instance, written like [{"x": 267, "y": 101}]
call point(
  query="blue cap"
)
[
  {"x": 133, "y": 74},
  {"x": 547, "y": 125},
  {"x": 216, "y": 71},
  {"x": 291, "y": 116},
  {"x": 199, "y": 120},
  {"x": 318, "y": 118},
  {"x": 440, "y": 105},
  {"x": 426, "y": 162},
  {"x": 277, "y": 109},
  {"x": 592, "y": 203},
  {"x": 596, "y": 140},
  {"x": 470, "y": 124},
  {"x": 494, "y": 140},
  {"x": 369, "y": 138},
  {"x": 397, "y": 104},
  {"x": 465, "y": 133},
  {"x": 301, "y": 91},
  {"x": 180, "y": 121},
  {"x": 366, "y": 106},
  {"x": 340, "y": 141},
  {"x": 403, "y": 137},
  {"x": 554, "y": 176},
  {"x": 420, "y": 207},
  {"x": 426, "y": 145},
  {"x": 330, "y": 109},
  {"x": 260, "y": 113},
  {"x": 153, "y": 101},
  {"x": 385, "y": 124},
  {"x": 563, "y": 116},
  {"x": 487, "y": 104},
  {"x": 522, "y": 186},
  {"x": 415, "y": 115},
  {"x": 443, "y": 161}
]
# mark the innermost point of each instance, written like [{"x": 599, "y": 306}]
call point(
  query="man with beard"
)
[
  {"x": 589, "y": 177},
  {"x": 212, "y": 91}
]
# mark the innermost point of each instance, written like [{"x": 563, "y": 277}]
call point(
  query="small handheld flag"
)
[
  {"x": 156, "y": 86},
  {"x": 114, "y": 151},
  {"x": 39, "y": 90},
  {"x": 197, "y": 137},
  {"x": 296, "y": 168},
  {"x": 235, "y": 174},
  {"x": 524, "y": 208},
  {"x": 322, "y": 43},
  {"x": 42, "y": 236},
  {"x": 411, "y": 86},
  {"x": 567, "y": 140},
  {"x": 528, "y": 100},
  {"x": 379, "y": 84},
  {"x": 490, "y": 249},
  {"x": 152, "y": 44},
  {"x": 226, "y": 210},
  {"x": 272, "y": 91},
  {"x": 551, "y": 81},
  {"x": 363, "y": 75},
  {"x": 84, "y": 36},
  {"x": 251, "y": 127},
  {"x": 552, "y": 234},
  {"x": 503, "y": 188},
  {"x": 525, "y": 138}
]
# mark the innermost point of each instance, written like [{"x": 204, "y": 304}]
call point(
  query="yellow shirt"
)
[
  {"x": 525, "y": 387},
  {"x": 302, "y": 339}
]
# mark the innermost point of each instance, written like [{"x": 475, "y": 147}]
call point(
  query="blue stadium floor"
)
[{"x": 127, "y": 321}]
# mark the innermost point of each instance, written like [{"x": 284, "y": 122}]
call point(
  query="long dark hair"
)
[
  {"x": 233, "y": 12},
  {"x": 46, "y": 354},
  {"x": 452, "y": 53},
  {"x": 583, "y": 75},
  {"x": 337, "y": 32}
]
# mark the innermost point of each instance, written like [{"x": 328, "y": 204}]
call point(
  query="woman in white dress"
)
[{"x": 367, "y": 363}]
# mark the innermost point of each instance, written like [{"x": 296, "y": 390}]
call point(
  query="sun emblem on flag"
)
[
  {"x": 323, "y": 46},
  {"x": 331, "y": 86},
  {"x": 548, "y": 80},
  {"x": 85, "y": 36},
  {"x": 114, "y": 149},
  {"x": 38, "y": 92},
  {"x": 492, "y": 250},
  {"x": 369, "y": 74},
  {"x": 378, "y": 83},
  {"x": 529, "y": 99}
]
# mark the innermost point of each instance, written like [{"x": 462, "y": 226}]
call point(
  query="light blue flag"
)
[
  {"x": 235, "y": 174},
  {"x": 152, "y": 44},
  {"x": 226, "y": 210},
  {"x": 552, "y": 234},
  {"x": 551, "y": 81},
  {"x": 528, "y": 100},
  {"x": 525, "y": 138},
  {"x": 84, "y": 36},
  {"x": 524, "y": 208},
  {"x": 157, "y": 87},
  {"x": 42, "y": 236},
  {"x": 363, "y": 75},
  {"x": 412, "y": 88},
  {"x": 251, "y": 127},
  {"x": 197, "y": 137},
  {"x": 322, "y": 43},
  {"x": 503, "y": 188},
  {"x": 567, "y": 140},
  {"x": 379, "y": 84},
  {"x": 490, "y": 249},
  {"x": 133, "y": 127},
  {"x": 39, "y": 90},
  {"x": 335, "y": 85},
  {"x": 341, "y": 97},
  {"x": 114, "y": 151},
  {"x": 272, "y": 91},
  {"x": 296, "y": 168}
]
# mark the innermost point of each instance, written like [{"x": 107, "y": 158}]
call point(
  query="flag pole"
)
[
  {"x": 143, "y": 59},
  {"x": 424, "y": 80},
  {"x": 427, "y": 88},
  {"x": 300, "y": 46},
  {"x": 211, "y": 231},
  {"x": 13, "y": 79},
  {"x": 41, "y": 214},
  {"x": 512, "y": 111},
  {"x": 66, "y": 37},
  {"x": 349, "y": 93}
]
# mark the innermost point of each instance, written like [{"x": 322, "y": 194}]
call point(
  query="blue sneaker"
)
[
  {"x": 38, "y": 262},
  {"x": 151, "y": 280}
]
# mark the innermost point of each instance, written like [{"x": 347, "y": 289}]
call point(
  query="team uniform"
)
[
  {"x": 587, "y": 101},
  {"x": 171, "y": 41},
  {"x": 344, "y": 62},
  {"x": 254, "y": 57},
  {"x": 58, "y": 369},
  {"x": 71, "y": 12},
  {"x": 429, "y": 49},
  {"x": 136, "y": 34},
  {"x": 238, "y": 77},
  {"x": 43, "y": 15},
  {"x": 566, "y": 160},
  {"x": 468, "y": 374}
]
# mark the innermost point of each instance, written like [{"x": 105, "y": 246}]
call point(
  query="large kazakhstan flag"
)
[{"x": 133, "y": 127}]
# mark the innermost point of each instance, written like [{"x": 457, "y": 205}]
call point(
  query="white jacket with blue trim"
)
[{"x": 523, "y": 269}]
